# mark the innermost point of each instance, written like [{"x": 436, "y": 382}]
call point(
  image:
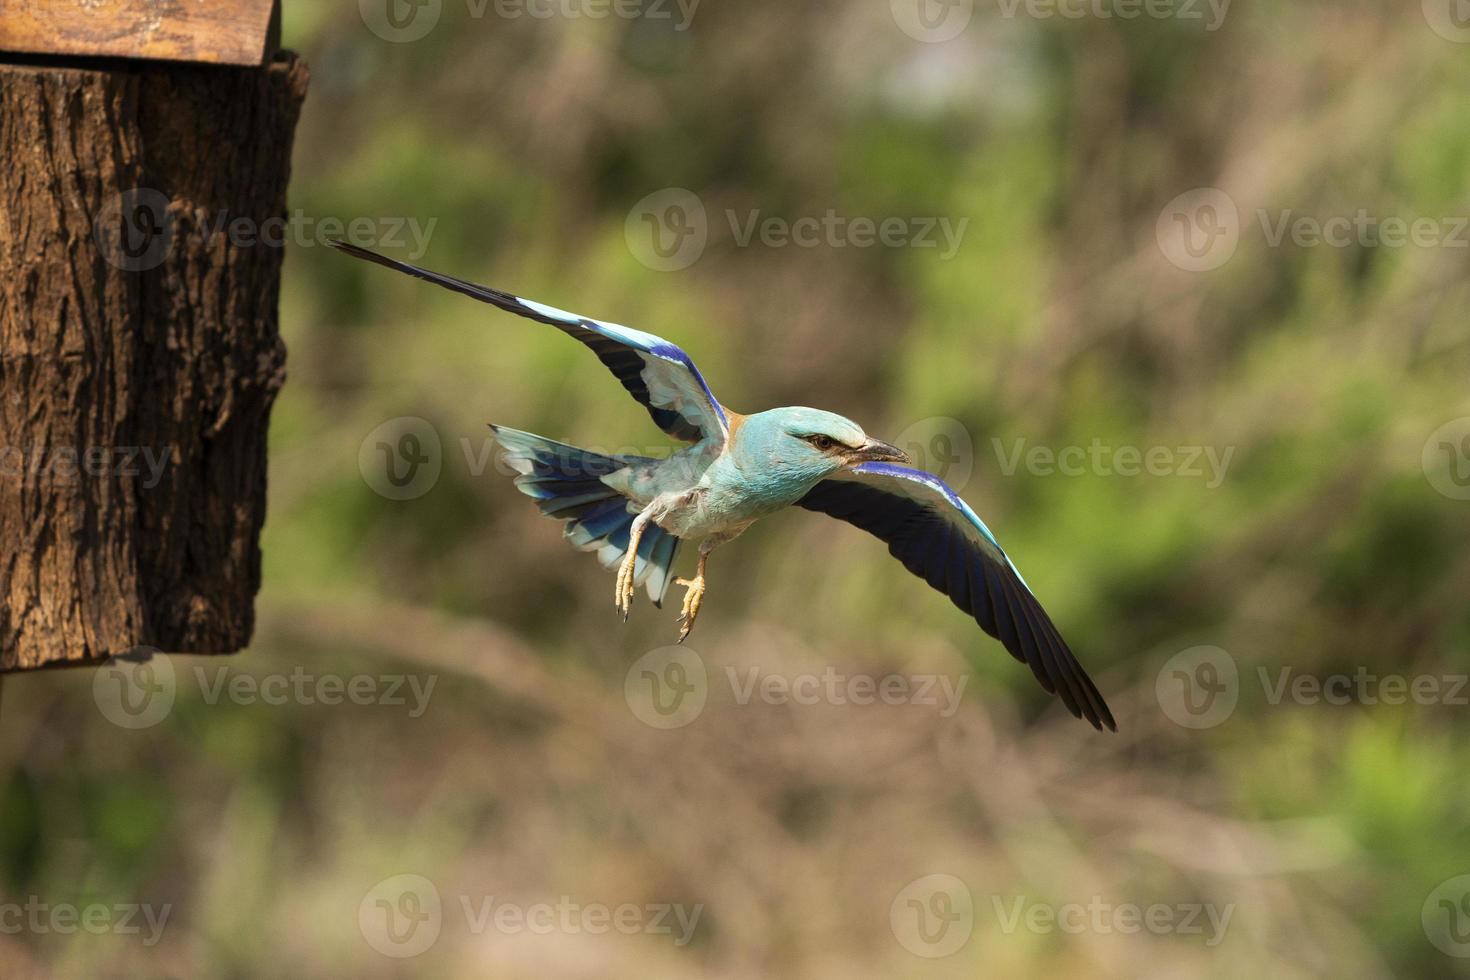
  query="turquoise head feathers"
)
[{"x": 784, "y": 451}]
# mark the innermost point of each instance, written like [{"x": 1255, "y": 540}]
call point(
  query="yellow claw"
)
[
  {"x": 693, "y": 597},
  {"x": 624, "y": 590}
]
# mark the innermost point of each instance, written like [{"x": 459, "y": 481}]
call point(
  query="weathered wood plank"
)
[{"x": 226, "y": 32}]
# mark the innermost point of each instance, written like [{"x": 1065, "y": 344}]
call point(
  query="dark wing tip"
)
[
  {"x": 991, "y": 592},
  {"x": 356, "y": 251},
  {"x": 1041, "y": 646},
  {"x": 1092, "y": 706}
]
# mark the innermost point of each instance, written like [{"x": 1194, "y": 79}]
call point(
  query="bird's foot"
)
[
  {"x": 624, "y": 589},
  {"x": 693, "y": 596}
]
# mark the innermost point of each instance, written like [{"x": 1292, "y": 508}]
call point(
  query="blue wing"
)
[
  {"x": 940, "y": 539},
  {"x": 657, "y": 373}
]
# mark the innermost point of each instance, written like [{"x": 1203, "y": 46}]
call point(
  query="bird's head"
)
[{"x": 808, "y": 444}]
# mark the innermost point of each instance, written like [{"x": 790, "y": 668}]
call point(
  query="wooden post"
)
[{"x": 142, "y": 219}]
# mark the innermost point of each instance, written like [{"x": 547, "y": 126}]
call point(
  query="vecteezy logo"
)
[
  {"x": 667, "y": 230},
  {"x": 932, "y": 21},
  {"x": 1446, "y": 916},
  {"x": 667, "y": 687},
  {"x": 401, "y": 916},
  {"x": 135, "y": 231},
  {"x": 1446, "y": 459},
  {"x": 400, "y": 21},
  {"x": 941, "y": 446},
  {"x": 401, "y": 458},
  {"x": 135, "y": 689},
  {"x": 1199, "y": 230},
  {"x": 933, "y": 916},
  {"x": 1198, "y": 687},
  {"x": 1450, "y": 19}
]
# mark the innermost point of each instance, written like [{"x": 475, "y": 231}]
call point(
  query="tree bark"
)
[{"x": 139, "y": 352}]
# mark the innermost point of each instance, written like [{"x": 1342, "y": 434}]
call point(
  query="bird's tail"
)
[{"x": 566, "y": 483}]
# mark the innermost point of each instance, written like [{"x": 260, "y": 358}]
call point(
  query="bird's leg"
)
[
  {"x": 624, "y": 589},
  {"x": 693, "y": 595}
]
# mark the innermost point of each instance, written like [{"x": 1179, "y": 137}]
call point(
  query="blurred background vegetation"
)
[{"x": 1060, "y": 320}]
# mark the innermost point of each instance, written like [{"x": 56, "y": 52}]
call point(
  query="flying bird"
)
[{"x": 634, "y": 511}]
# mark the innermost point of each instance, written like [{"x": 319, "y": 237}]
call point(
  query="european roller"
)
[{"x": 634, "y": 511}]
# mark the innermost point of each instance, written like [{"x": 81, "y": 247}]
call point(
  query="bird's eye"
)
[{"x": 822, "y": 442}]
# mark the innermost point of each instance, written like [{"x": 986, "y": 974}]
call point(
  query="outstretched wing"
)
[
  {"x": 940, "y": 539},
  {"x": 657, "y": 373}
]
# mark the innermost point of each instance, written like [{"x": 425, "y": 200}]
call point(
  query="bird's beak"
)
[{"x": 874, "y": 451}]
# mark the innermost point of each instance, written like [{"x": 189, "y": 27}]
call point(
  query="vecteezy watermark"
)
[
  {"x": 135, "y": 689},
  {"x": 39, "y": 917},
  {"x": 140, "y": 228},
  {"x": 932, "y": 21},
  {"x": 1210, "y": 14},
  {"x": 1446, "y": 916},
  {"x": 1200, "y": 687},
  {"x": 669, "y": 229},
  {"x": 941, "y": 446},
  {"x": 1362, "y": 228},
  {"x": 1102, "y": 917},
  {"x": 135, "y": 230},
  {"x": 567, "y": 916},
  {"x": 402, "y": 458},
  {"x": 1450, "y": 19},
  {"x": 932, "y": 916},
  {"x": 669, "y": 687},
  {"x": 404, "y": 21},
  {"x": 409, "y": 691},
  {"x": 834, "y": 230},
  {"x": 1363, "y": 686},
  {"x": 835, "y": 687},
  {"x": 403, "y": 916},
  {"x": 67, "y": 465},
  {"x": 680, "y": 13},
  {"x": 1446, "y": 459},
  {"x": 1208, "y": 463},
  {"x": 138, "y": 689},
  {"x": 1201, "y": 229}
]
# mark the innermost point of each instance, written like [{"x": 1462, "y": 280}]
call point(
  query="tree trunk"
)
[{"x": 141, "y": 228}]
